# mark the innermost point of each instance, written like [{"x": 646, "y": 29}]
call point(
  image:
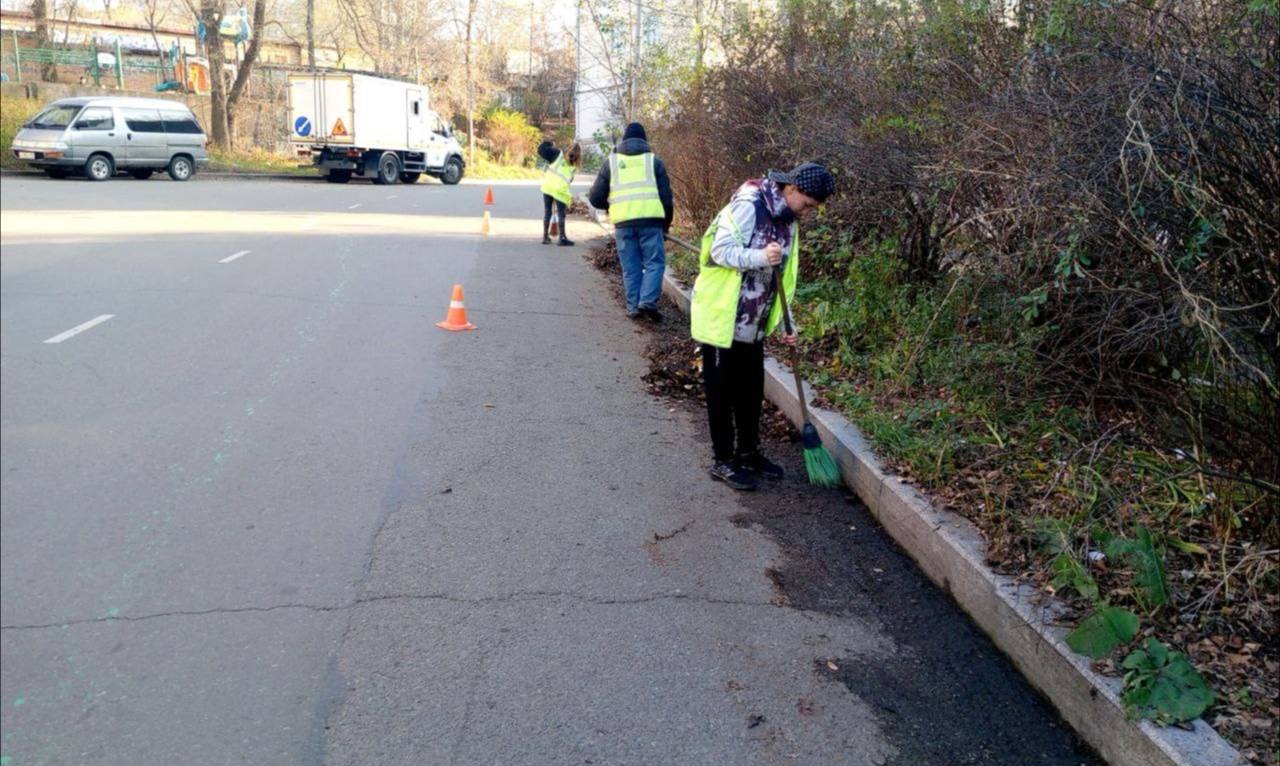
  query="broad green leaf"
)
[
  {"x": 1069, "y": 573},
  {"x": 1150, "y": 575},
  {"x": 1163, "y": 685},
  {"x": 1102, "y": 631},
  {"x": 1137, "y": 660},
  {"x": 1147, "y": 563}
]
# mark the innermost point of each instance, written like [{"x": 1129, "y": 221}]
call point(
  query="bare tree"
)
[
  {"x": 210, "y": 13},
  {"x": 311, "y": 33},
  {"x": 40, "y": 12},
  {"x": 155, "y": 12},
  {"x": 471, "y": 94},
  {"x": 223, "y": 99},
  {"x": 247, "y": 63}
]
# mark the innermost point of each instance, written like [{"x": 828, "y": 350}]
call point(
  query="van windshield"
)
[{"x": 53, "y": 118}]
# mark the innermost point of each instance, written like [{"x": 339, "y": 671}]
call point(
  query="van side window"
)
[
  {"x": 96, "y": 118},
  {"x": 180, "y": 122},
  {"x": 143, "y": 120}
]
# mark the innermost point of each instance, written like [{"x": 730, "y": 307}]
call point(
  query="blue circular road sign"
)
[{"x": 302, "y": 126}]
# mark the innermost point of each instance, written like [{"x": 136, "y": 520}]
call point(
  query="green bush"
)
[
  {"x": 13, "y": 113},
  {"x": 510, "y": 135}
]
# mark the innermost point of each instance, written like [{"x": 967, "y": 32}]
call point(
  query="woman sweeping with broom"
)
[
  {"x": 555, "y": 188},
  {"x": 750, "y": 250}
]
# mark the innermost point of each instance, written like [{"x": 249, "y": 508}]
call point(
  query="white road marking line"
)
[
  {"x": 353, "y": 207},
  {"x": 79, "y": 328},
  {"x": 393, "y": 196},
  {"x": 231, "y": 258}
]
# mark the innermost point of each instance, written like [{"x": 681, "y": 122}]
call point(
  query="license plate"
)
[{"x": 26, "y": 155}]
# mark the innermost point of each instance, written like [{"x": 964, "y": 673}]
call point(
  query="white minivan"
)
[{"x": 101, "y": 136}]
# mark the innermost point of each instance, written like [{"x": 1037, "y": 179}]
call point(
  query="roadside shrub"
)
[
  {"x": 510, "y": 135},
  {"x": 13, "y": 113}
]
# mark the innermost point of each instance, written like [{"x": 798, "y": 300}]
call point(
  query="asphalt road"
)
[{"x": 267, "y": 513}]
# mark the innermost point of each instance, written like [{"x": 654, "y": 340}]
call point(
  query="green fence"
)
[{"x": 20, "y": 64}]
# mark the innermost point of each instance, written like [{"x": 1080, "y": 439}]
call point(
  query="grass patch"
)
[
  {"x": 485, "y": 167},
  {"x": 255, "y": 161}
]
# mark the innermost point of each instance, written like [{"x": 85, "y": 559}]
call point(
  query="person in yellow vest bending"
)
[
  {"x": 633, "y": 186},
  {"x": 555, "y": 186},
  {"x": 749, "y": 250}
]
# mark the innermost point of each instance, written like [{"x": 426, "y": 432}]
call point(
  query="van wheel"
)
[
  {"x": 181, "y": 168},
  {"x": 55, "y": 172},
  {"x": 99, "y": 167},
  {"x": 141, "y": 175},
  {"x": 452, "y": 171},
  {"x": 410, "y": 178},
  {"x": 388, "y": 170},
  {"x": 338, "y": 176}
]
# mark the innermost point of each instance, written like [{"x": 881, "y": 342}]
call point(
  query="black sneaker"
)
[
  {"x": 634, "y": 314},
  {"x": 760, "y": 465},
  {"x": 566, "y": 242},
  {"x": 546, "y": 240},
  {"x": 733, "y": 476},
  {"x": 653, "y": 315}
]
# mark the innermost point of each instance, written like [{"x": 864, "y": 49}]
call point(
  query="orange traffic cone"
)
[
  {"x": 484, "y": 223},
  {"x": 457, "y": 317},
  {"x": 488, "y": 196}
]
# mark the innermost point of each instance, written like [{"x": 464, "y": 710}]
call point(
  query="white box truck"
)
[{"x": 359, "y": 125}]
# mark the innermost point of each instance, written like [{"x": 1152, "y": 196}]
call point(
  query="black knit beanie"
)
[
  {"x": 810, "y": 177},
  {"x": 634, "y": 130}
]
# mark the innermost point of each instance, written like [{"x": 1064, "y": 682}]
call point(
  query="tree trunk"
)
[
  {"x": 40, "y": 12},
  {"x": 311, "y": 33},
  {"x": 211, "y": 15},
  {"x": 246, "y": 66}
]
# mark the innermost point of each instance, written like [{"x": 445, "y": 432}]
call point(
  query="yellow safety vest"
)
[
  {"x": 713, "y": 309},
  {"x": 555, "y": 182},
  {"x": 633, "y": 188}
]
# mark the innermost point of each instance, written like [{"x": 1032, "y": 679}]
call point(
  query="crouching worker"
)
[
  {"x": 750, "y": 250},
  {"x": 555, "y": 187}
]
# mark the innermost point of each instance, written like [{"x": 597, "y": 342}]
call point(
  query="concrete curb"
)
[{"x": 1020, "y": 620}]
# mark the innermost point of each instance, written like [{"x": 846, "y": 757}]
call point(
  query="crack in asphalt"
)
[{"x": 518, "y": 597}]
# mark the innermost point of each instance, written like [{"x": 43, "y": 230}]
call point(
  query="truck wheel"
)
[
  {"x": 452, "y": 171},
  {"x": 388, "y": 170},
  {"x": 409, "y": 178},
  {"x": 141, "y": 175},
  {"x": 99, "y": 167},
  {"x": 338, "y": 176},
  {"x": 181, "y": 168}
]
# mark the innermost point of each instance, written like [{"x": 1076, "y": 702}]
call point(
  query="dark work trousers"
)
[
  {"x": 733, "y": 379},
  {"x": 547, "y": 200}
]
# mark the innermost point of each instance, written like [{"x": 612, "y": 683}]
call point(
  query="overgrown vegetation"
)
[
  {"x": 256, "y": 161},
  {"x": 485, "y": 166},
  {"x": 1049, "y": 291},
  {"x": 14, "y": 112},
  {"x": 510, "y": 136}
]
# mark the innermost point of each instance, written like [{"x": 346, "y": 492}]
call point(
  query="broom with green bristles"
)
[{"x": 818, "y": 463}]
